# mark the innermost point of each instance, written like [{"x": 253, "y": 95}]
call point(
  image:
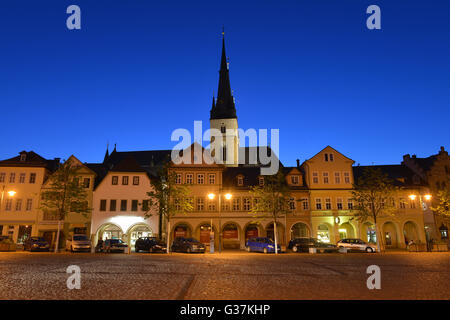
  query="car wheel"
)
[
  {"x": 294, "y": 249},
  {"x": 265, "y": 250},
  {"x": 188, "y": 250},
  {"x": 369, "y": 250}
]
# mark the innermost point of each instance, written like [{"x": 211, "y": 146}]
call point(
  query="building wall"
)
[
  {"x": 12, "y": 220},
  {"x": 128, "y": 219}
]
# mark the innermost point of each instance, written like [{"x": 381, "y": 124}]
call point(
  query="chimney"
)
[
  {"x": 406, "y": 157},
  {"x": 298, "y": 163},
  {"x": 414, "y": 156}
]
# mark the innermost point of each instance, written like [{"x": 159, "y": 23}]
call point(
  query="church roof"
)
[{"x": 224, "y": 107}]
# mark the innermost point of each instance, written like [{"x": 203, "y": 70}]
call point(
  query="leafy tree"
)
[
  {"x": 167, "y": 198},
  {"x": 271, "y": 201},
  {"x": 64, "y": 193},
  {"x": 443, "y": 204},
  {"x": 374, "y": 194}
]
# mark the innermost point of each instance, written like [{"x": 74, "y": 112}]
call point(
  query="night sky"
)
[{"x": 138, "y": 69}]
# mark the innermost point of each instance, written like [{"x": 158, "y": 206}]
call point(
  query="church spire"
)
[
  {"x": 106, "y": 154},
  {"x": 224, "y": 107}
]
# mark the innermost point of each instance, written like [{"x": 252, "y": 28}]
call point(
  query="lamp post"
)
[
  {"x": 11, "y": 193},
  {"x": 427, "y": 198},
  {"x": 227, "y": 197}
]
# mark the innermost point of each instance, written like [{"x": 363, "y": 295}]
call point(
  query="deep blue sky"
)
[{"x": 139, "y": 69}]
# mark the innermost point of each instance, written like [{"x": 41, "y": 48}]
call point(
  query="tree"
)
[
  {"x": 64, "y": 193},
  {"x": 167, "y": 198},
  {"x": 443, "y": 204},
  {"x": 374, "y": 194},
  {"x": 271, "y": 200}
]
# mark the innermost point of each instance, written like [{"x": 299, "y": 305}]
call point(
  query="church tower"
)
[{"x": 223, "y": 117}]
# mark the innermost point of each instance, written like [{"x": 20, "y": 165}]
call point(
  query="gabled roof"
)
[
  {"x": 400, "y": 174},
  {"x": 128, "y": 164},
  {"x": 32, "y": 159},
  {"x": 328, "y": 147}
]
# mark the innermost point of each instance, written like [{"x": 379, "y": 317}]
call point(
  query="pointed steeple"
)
[
  {"x": 106, "y": 154},
  {"x": 224, "y": 106}
]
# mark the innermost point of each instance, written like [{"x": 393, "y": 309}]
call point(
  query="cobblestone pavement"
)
[{"x": 235, "y": 275}]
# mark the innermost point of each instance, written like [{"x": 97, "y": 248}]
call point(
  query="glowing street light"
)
[
  {"x": 11, "y": 193},
  {"x": 412, "y": 197},
  {"x": 211, "y": 196},
  {"x": 427, "y": 197}
]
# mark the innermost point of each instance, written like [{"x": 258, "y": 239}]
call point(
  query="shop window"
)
[{"x": 323, "y": 234}]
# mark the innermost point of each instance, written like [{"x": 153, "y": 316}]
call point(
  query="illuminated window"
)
[{"x": 350, "y": 204}]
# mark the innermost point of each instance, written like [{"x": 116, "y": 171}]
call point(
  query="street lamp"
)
[
  {"x": 11, "y": 193},
  {"x": 228, "y": 196}
]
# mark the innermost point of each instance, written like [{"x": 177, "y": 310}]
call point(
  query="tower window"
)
[{"x": 223, "y": 129}]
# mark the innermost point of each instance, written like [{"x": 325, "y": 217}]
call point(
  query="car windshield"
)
[
  {"x": 80, "y": 238},
  {"x": 191, "y": 240},
  {"x": 116, "y": 241}
]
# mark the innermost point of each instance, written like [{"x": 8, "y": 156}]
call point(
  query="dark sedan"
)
[
  {"x": 188, "y": 245},
  {"x": 36, "y": 244},
  {"x": 150, "y": 244},
  {"x": 304, "y": 244},
  {"x": 114, "y": 245}
]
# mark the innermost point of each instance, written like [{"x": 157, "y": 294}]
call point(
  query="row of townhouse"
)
[{"x": 321, "y": 200}]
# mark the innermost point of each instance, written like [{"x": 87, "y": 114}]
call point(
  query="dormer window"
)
[
  {"x": 240, "y": 181},
  {"x": 23, "y": 157},
  {"x": 223, "y": 129},
  {"x": 294, "y": 180},
  {"x": 331, "y": 157},
  {"x": 326, "y": 157}
]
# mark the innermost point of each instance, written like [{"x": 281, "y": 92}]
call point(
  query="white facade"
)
[{"x": 118, "y": 208}]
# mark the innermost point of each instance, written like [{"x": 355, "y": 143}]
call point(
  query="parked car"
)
[
  {"x": 261, "y": 244},
  {"x": 304, "y": 244},
  {"x": 114, "y": 245},
  {"x": 150, "y": 244},
  {"x": 78, "y": 242},
  {"x": 356, "y": 245},
  {"x": 187, "y": 245},
  {"x": 36, "y": 244}
]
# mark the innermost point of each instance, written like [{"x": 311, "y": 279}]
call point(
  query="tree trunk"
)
[
  {"x": 168, "y": 236},
  {"x": 57, "y": 237},
  {"x": 378, "y": 236},
  {"x": 275, "y": 236}
]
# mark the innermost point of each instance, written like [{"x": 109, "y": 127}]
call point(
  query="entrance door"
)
[{"x": 205, "y": 234}]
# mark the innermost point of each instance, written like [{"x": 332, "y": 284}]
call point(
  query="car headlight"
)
[
  {"x": 270, "y": 246},
  {"x": 35, "y": 245}
]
